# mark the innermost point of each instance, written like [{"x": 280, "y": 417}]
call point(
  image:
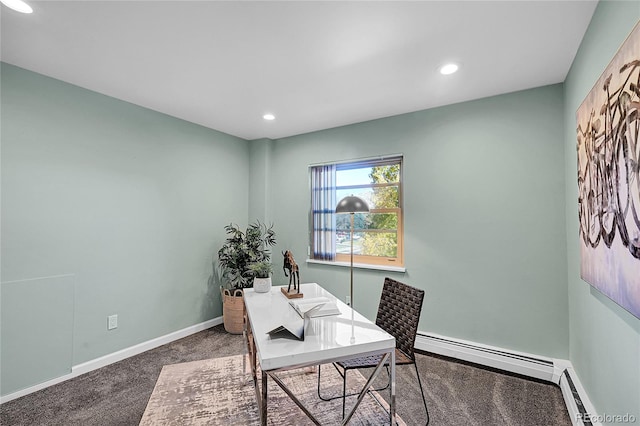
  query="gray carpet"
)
[{"x": 457, "y": 393}]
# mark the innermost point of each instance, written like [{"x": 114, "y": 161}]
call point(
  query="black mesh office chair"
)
[{"x": 398, "y": 314}]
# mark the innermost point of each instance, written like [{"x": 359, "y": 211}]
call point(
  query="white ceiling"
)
[{"x": 315, "y": 65}]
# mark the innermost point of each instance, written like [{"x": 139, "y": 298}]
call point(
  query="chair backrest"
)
[{"x": 399, "y": 313}]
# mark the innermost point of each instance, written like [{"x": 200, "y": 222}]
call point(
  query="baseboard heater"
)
[
  {"x": 558, "y": 371},
  {"x": 511, "y": 361},
  {"x": 577, "y": 410}
]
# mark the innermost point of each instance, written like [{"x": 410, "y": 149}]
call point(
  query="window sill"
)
[{"x": 401, "y": 269}]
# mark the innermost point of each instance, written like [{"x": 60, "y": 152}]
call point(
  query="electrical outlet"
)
[
  {"x": 112, "y": 322},
  {"x": 348, "y": 300}
]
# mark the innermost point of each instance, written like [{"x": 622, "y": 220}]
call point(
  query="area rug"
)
[{"x": 218, "y": 392}]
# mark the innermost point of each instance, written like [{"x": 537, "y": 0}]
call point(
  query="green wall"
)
[
  {"x": 604, "y": 338},
  {"x": 259, "y": 183},
  {"x": 484, "y": 215},
  {"x": 127, "y": 203}
]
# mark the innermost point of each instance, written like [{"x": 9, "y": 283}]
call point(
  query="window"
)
[{"x": 377, "y": 235}]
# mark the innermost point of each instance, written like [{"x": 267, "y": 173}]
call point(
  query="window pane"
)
[
  {"x": 347, "y": 175},
  {"x": 382, "y": 244},
  {"x": 343, "y": 243},
  {"x": 382, "y": 221},
  {"x": 376, "y": 198},
  {"x": 386, "y": 174},
  {"x": 343, "y": 221}
]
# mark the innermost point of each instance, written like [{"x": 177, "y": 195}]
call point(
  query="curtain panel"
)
[{"x": 323, "y": 206}]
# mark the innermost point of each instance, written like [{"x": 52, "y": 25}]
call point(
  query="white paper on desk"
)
[
  {"x": 324, "y": 305},
  {"x": 294, "y": 328}
]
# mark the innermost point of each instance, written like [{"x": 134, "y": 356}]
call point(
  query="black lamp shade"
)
[{"x": 352, "y": 204}]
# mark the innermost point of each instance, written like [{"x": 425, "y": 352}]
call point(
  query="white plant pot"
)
[{"x": 262, "y": 285}]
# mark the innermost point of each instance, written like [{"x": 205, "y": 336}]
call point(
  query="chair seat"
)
[{"x": 372, "y": 361}]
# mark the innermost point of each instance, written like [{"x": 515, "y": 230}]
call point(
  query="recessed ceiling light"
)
[
  {"x": 448, "y": 69},
  {"x": 269, "y": 117},
  {"x": 17, "y": 5}
]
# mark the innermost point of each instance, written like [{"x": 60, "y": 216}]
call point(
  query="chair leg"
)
[
  {"x": 344, "y": 395},
  {"x": 344, "y": 388},
  {"x": 422, "y": 392},
  {"x": 344, "y": 391},
  {"x": 319, "y": 394},
  {"x": 319, "y": 368}
]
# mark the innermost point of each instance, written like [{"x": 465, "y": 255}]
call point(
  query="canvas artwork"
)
[{"x": 608, "y": 128}]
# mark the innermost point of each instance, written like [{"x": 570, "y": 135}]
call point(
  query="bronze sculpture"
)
[{"x": 294, "y": 273}]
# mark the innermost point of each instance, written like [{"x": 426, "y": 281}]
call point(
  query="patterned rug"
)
[{"x": 218, "y": 392}]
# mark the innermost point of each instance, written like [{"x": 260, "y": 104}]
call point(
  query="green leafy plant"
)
[
  {"x": 261, "y": 269},
  {"x": 241, "y": 250}
]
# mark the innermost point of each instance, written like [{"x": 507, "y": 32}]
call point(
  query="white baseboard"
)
[
  {"x": 103, "y": 361},
  {"x": 548, "y": 369}
]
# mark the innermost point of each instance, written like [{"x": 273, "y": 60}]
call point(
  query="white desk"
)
[{"x": 327, "y": 339}]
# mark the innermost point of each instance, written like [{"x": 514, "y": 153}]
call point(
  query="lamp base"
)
[{"x": 293, "y": 294}]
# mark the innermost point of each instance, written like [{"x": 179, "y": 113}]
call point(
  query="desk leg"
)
[
  {"x": 245, "y": 352},
  {"x": 392, "y": 391},
  {"x": 260, "y": 396},
  {"x": 263, "y": 406},
  {"x": 252, "y": 357}
]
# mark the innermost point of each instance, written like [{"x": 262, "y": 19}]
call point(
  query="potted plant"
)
[
  {"x": 261, "y": 272},
  {"x": 240, "y": 250}
]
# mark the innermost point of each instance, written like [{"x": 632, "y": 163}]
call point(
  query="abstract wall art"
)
[{"x": 608, "y": 144}]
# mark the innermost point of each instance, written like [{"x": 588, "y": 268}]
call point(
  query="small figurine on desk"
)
[{"x": 294, "y": 275}]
